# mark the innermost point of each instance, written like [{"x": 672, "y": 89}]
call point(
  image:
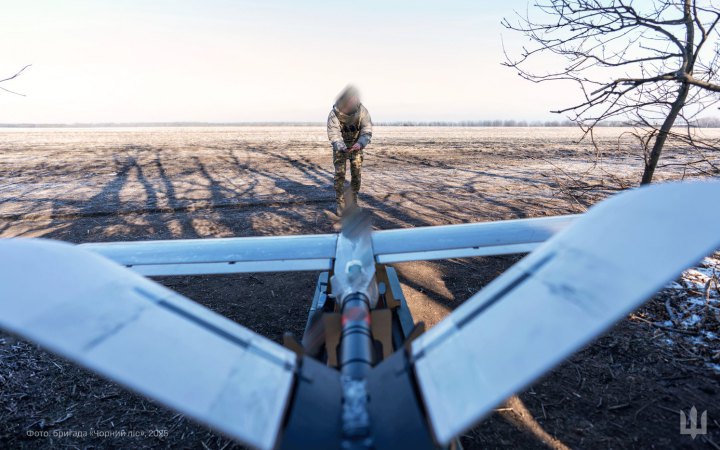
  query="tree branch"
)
[{"x": 13, "y": 77}]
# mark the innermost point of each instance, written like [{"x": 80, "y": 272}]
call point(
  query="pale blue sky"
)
[{"x": 222, "y": 60}]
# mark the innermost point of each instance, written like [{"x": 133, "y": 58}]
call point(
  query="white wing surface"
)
[
  {"x": 146, "y": 337},
  {"x": 461, "y": 241},
  {"x": 222, "y": 255},
  {"x": 317, "y": 252},
  {"x": 560, "y": 297}
]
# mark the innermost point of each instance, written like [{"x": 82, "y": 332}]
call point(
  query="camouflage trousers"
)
[{"x": 340, "y": 161}]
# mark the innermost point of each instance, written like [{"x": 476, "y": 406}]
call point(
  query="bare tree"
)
[
  {"x": 652, "y": 64},
  {"x": 13, "y": 77}
]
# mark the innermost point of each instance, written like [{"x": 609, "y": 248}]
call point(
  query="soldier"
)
[{"x": 349, "y": 129}]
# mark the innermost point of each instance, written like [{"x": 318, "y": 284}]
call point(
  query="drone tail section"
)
[
  {"x": 559, "y": 298},
  {"x": 146, "y": 337}
]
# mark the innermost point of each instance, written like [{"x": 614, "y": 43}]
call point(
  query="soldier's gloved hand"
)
[
  {"x": 356, "y": 147},
  {"x": 340, "y": 146}
]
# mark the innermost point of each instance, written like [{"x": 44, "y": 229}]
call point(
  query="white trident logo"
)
[{"x": 693, "y": 429}]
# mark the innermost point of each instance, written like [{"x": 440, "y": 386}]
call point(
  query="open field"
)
[{"x": 90, "y": 185}]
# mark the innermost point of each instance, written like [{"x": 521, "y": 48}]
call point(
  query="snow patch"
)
[{"x": 693, "y": 305}]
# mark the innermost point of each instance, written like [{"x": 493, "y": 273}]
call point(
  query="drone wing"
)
[
  {"x": 146, "y": 337},
  {"x": 222, "y": 255},
  {"x": 560, "y": 297},
  {"x": 317, "y": 252},
  {"x": 461, "y": 241}
]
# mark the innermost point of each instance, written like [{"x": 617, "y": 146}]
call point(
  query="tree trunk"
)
[
  {"x": 679, "y": 103},
  {"x": 667, "y": 125}
]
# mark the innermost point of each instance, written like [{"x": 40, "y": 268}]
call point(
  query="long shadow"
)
[
  {"x": 305, "y": 186},
  {"x": 87, "y": 220},
  {"x": 416, "y": 160}
]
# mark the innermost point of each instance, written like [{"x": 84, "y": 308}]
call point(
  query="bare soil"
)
[{"x": 623, "y": 391}]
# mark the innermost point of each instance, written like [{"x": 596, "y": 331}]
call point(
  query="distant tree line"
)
[
  {"x": 158, "y": 124},
  {"x": 479, "y": 123},
  {"x": 707, "y": 122}
]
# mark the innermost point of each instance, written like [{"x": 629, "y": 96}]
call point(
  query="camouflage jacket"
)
[{"x": 349, "y": 129}]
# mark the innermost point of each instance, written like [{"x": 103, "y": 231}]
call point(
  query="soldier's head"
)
[{"x": 349, "y": 100}]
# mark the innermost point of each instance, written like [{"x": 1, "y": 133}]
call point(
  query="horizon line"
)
[{"x": 397, "y": 123}]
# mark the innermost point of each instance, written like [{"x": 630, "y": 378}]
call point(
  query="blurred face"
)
[{"x": 350, "y": 105}]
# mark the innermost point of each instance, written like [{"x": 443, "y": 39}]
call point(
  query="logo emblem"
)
[{"x": 692, "y": 428}]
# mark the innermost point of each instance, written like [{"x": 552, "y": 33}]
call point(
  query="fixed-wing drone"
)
[{"x": 364, "y": 375}]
